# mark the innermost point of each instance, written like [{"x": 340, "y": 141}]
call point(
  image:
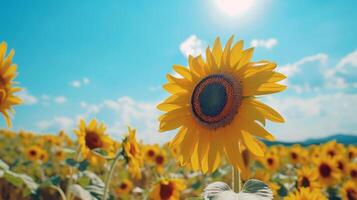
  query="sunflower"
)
[
  {"x": 306, "y": 194},
  {"x": 271, "y": 161},
  {"x": 214, "y": 106},
  {"x": 349, "y": 191},
  {"x": 60, "y": 155},
  {"x": 7, "y": 89},
  {"x": 93, "y": 137},
  {"x": 150, "y": 152},
  {"x": 43, "y": 156},
  {"x": 328, "y": 171},
  {"x": 160, "y": 161},
  {"x": 33, "y": 153},
  {"x": 308, "y": 178},
  {"x": 333, "y": 149},
  {"x": 352, "y": 152},
  {"x": 167, "y": 189},
  {"x": 341, "y": 163},
  {"x": 124, "y": 187},
  {"x": 132, "y": 153},
  {"x": 352, "y": 171}
]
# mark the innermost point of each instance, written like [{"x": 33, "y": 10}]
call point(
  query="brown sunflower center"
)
[
  {"x": 159, "y": 160},
  {"x": 93, "y": 140},
  {"x": 325, "y": 170},
  {"x": 33, "y": 153},
  {"x": 294, "y": 156},
  {"x": 270, "y": 161},
  {"x": 305, "y": 182},
  {"x": 331, "y": 153},
  {"x": 123, "y": 186},
  {"x": 166, "y": 191},
  {"x": 351, "y": 194},
  {"x": 151, "y": 153},
  {"x": 215, "y": 100},
  {"x": 340, "y": 165},
  {"x": 353, "y": 173}
]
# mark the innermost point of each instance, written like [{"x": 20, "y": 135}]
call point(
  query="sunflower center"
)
[
  {"x": 33, "y": 152},
  {"x": 166, "y": 191},
  {"x": 159, "y": 160},
  {"x": 351, "y": 194},
  {"x": 123, "y": 186},
  {"x": 325, "y": 170},
  {"x": 353, "y": 173},
  {"x": 341, "y": 165},
  {"x": 331, "y": 153},
  {"x": 151, "y": 153},
  {"x": 305, "y": 182},
  {"x": 93, "y": 141},
  {"x": 294, "y": 156},
  {"x": 215, "y": 100},
  {"x": 270, "y": 161}
]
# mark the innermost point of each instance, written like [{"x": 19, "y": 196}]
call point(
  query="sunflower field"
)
[{"x": 219, "y": 150}]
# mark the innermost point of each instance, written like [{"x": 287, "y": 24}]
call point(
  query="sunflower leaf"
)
[
  {"x": 83, "y": 165},
  {"x": 71, "y": 162}
]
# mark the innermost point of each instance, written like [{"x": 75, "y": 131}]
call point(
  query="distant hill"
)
[{"x": 340, "y": 138}]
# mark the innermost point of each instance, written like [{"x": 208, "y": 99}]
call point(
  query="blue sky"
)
[{"x": 108, "y": 59}]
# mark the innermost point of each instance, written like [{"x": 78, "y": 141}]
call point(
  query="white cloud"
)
[
  {"x": 27, "y": 97},
  {"x": 154, "y": 88},
  {"x": 193, "y": 46},
  {"x": 80, "y": 83},
  {"x": 76, "y": 84},
  {"x": 294, "y": 68},
  {"x": 268, "y": 43},
  {"x": 315, "y": 117},
  {"x": 349, "y": 60},
  {"x": 58, "y": 123},
  {"x": 60, "y": 99}
]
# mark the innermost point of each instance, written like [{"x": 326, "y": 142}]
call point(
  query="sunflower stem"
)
[
  {"x": 70, "y": 181},
  {"x": 109, "y": 176},
  {"x": 236, "y": 180}
]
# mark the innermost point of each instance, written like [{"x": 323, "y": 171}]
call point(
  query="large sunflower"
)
[
  {"x": 308, "y": 178},
  {"x": 93, "y": 137},
  {"x": 349, "y": 191},
  {"x": 7, "y": 89},
  {"x": 214, "y": 106},
  {"x": 306, "y": 194},
  {"x": 328, "y": 171}
]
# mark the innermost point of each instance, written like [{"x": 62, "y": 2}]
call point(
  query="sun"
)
[{"x": 235, "y": 7}]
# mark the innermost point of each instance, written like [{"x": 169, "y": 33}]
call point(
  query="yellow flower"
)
[
  {"x": 341, "y": 163},
  {"x": 160, "y": 161},
  {"x": 93, "y": 137},
  {"x": 150, "y": 152},
  {"x": 352, "y": 170},
  {"x": 133, "y": 153},
  {"x": 33, "y": 153},
  {"x": 60, "y": 155},
  {"x": 332, "y": 149},
  {"x": 167, "y": 189},
  {"x": 306, "y": 194},
  {"x": 215, "y": 108},
  {"x": 328, "y": 171},
  {"x": 124, "y": 187},
  {"x": 349, "y": 191},
  {"x": 298, "y": 155},
  {"x": 308, "y": 177},
  {"x": 7, "y": 89},
  {"x": 271, "y": 161},
  {"x": 352, "y": 152},
  {"x": 43, "y": 157}
]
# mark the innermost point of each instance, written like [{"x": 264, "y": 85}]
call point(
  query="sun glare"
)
[{"x": 235, "y": 7}]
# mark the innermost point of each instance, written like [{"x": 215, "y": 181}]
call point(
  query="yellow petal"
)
[
  {"x": 183, "y": 71},
  {"x": 251, "y": 144},
  {"x": 236, "y": 53},
  {"x": 217, "y": 51}
]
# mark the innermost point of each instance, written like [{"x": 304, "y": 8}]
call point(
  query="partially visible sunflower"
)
[
  {"x": 271, "y": 161},
  {"x": 160, "y": 161},
  {"x": 60, "y": 154},
  {"x": 306, "y": 194},
  {"x": 308, "y": 178},
  {"x": 341, "y": 163},
  {"x": 167, "y": 189},
  {"x": 33, "y": 153},
  {"x": 214, "y": 105},
  {"x": 297, "y": 154},
  {"x": 328, "y": 171},
  {"x": 43, "y": 157},
  {"x": 352, "y": 152},
  {"x": 352, "y": 171},
  {"x": 93, "y": 137},
  {"x": 133, "y": 153},
  {"x": 124, "y": 187},
  {"x": 333, "y": 149},
  {"x": 348, "y": 190},
  {"x": 150, "y": 152},
  {"x": 7, "y": 86}
]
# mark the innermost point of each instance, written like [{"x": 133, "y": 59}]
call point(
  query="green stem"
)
[
  {"x": 70, "y": 181},
  {"x": 236, "y": 180},
  {"x": 60, "y": 191},
  {"x": 110, "y": 175}
]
